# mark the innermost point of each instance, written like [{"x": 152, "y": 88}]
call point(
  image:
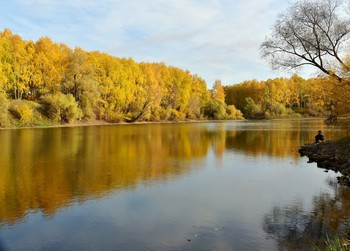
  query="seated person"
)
[{"x": 319, "y": 137}]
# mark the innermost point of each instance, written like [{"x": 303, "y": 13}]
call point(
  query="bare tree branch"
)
[{"x": 310, "y": 32}]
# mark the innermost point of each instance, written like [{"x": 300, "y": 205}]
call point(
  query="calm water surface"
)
[{"x": 200, "y": 186}]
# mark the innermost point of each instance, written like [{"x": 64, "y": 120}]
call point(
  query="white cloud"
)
[{"x": 217, "y": 39}]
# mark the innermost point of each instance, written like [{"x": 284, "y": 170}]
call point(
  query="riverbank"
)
[
  {"x": 105, "y": 123},
  {"x": 331, "y": 155},
  {"x": 54, "y": 125}
]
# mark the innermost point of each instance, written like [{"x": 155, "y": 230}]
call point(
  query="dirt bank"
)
[{"x": 331, "y": 155}]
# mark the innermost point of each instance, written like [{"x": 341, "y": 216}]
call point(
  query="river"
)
[{"x": 237, "y": 185}]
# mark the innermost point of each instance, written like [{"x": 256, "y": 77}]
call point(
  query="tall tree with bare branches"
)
[{"x": 311, "y": 32}]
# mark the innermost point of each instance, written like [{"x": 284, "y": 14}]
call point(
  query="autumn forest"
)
[{"x": 46, "y": 83}]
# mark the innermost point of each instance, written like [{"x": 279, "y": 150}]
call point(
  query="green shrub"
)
[
  {"x": 276, "y": 110},
  {"x": 88, "y": 102},
  {"x": 251, "y": 109},
  {"x": 215, "y": 109},
  {"x": 87, "y": 108},
  {"x": 61, "y": 108}
]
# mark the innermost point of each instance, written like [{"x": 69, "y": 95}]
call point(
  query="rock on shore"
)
[{"x": 331, "y": 155}]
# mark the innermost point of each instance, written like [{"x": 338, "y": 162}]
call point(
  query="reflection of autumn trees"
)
[
  {"x": 45, "y": 169},
  {"x": 281, "y": 139},
  {"x": 279, "y": 143},
  {"x": 48, "y": 169},
  {"x": 297, "y": 229}
]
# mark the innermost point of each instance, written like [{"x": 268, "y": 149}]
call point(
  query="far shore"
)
[
  {"x": 96, "y": 122},
  {"x": 104, "y": 123}
]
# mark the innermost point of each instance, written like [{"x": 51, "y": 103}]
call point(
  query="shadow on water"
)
[{"x": 295, "y": 228}]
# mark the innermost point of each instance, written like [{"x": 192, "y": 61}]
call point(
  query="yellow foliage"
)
[
  {"x": 22, "y": 111},
  {"x": 4, "y": 104},
  {"x": 218, "y": 92},
  {"x": 233, "y": 112},
  {"x": 61, "y": 108}
]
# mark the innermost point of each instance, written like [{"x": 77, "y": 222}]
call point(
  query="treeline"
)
[
  {"x": 44, "y": 82},
  {"x": 283, "y": 97}
]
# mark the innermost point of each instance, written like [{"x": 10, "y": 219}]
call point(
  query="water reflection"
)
[
  {"x": 276, "y": 138},
  {"x": 46, "y": 169},
  {"x": 296, "y": 228}
]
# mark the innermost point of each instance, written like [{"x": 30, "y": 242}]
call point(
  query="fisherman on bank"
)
[{"x": 319, "y": 137}]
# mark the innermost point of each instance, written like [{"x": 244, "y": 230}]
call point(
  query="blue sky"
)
[{"x": 216, "y": 39}]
